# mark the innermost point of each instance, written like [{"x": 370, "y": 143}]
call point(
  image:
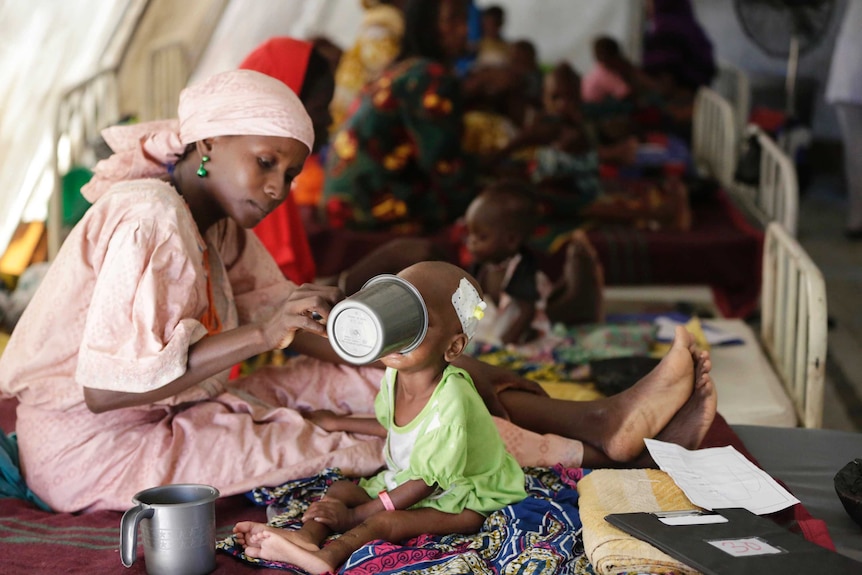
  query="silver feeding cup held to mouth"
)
[{"x": 387, "y": 315}]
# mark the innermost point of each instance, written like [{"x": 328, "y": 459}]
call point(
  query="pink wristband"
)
[{"x": 386, "y": 500}]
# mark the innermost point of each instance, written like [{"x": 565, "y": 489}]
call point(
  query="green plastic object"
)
[{"x": 74, "y": 204}]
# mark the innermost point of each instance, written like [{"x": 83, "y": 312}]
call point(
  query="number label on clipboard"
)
[{"x": 745, "y": 547}]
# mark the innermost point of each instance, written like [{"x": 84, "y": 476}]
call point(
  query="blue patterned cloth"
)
[{"x": 541, "y": 534}]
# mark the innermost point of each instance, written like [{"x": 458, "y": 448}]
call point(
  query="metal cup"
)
[
  {"x": 178, "y": 525},
  {"x": 387, "y": 315}
]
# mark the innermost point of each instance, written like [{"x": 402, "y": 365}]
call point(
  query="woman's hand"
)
[{"x": 307, "y": 309}]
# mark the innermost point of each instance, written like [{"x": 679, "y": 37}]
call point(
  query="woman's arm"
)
[
  {"x": 208, "y": 357},
  {"x": 488, "y": 378},
  {"x": 216, "y": 353}
]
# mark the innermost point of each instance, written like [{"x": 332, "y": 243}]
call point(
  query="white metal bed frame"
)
[
  {"x": 714, "y": 151},
  {"x": 734, "y": 85},
  {"x": 89, "y": 107},
  {"x": 794, "y": 322},
  {"x": 776, "y": 197},
  {"x": 714, "y": 137}
]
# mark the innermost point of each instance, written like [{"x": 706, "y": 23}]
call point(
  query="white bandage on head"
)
[{"x": 469, "y": 307}]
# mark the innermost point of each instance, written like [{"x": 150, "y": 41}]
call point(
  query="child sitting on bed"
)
[
  {"x": 560, "y": 149},
  {"x": 611, "y": 76},
  {"x": 446, "y": 465},
  {"x": 499, "y": 222}
]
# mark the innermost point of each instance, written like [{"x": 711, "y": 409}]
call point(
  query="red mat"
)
[{"x": 36, "y": 542}]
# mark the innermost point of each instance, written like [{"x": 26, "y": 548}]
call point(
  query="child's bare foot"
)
[
  {"x": 645, "y": 409},
  {"x": 272, "y": 547},
  {"x": 250, "y": 533},
  {"x": 243, "y": 530}
]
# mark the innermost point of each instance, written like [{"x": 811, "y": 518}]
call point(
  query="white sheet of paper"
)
[{"x": 720, "y": 477}]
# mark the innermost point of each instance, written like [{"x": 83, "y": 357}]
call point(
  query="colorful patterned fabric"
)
[
  {"x": 559, "y": 358},
  {"x": 378, "y": 41},
  {"x": 397, "y": 163},
  {"x": 541, "y": 534}
]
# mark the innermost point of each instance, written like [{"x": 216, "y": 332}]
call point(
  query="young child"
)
[
  {"x": 611, "y": 75},
  {"x": 499, "y": 222},
  {"x": 563, "y": 153},
  {"x": 446, "y": 465},
  {"x": 493, "y": 50}
]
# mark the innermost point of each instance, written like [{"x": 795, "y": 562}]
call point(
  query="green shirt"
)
[{"x": 453, "y": 443}]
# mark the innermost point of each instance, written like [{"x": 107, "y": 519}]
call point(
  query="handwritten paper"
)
[{"x": 720, "y": 477}]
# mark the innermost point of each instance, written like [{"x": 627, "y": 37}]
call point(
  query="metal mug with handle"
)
[
  {"x": 387, "y": 315},
  {"x": 178, "y": 526}
]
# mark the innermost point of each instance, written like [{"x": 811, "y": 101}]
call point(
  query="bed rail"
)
[
  {"x": 734, "y": 85},
  {"x": 169, "y": 71},
  {"x": 84, "y": 110},
  {"x": 714, "y": 139},
  {"x": 793, "y": 322},
  {"x": 776, "y": 197}
]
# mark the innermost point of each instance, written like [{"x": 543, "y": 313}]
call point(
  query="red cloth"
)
[
  {"x": 795, "y": 518},
  {"x": 282, "y": 231}
]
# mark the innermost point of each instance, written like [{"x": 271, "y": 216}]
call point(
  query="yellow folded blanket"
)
[{"x": 606, "y": 491}]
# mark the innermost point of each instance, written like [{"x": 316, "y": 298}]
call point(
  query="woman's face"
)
[
  {"x": 452, "y": 28},
  {"x": 249, "y": 176}
]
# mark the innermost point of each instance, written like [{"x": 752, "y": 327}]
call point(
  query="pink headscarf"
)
[{"x": 233, "y": 103}]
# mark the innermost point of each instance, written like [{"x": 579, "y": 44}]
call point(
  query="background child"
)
[
  {"x": 493, "y": 50},
  {"x": 499, "y": 222},
  {"x": 446, "y": 465},
  {"x": 611, "y": 76},
  {"x": 563, "y": 159}
]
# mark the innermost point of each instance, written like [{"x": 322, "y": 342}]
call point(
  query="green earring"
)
[{"x": 202, "y": 171}]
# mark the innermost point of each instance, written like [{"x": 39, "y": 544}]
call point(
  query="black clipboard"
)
[{"x": 741, "y": 544}]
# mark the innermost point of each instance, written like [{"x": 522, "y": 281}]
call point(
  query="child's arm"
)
[
  {"x": 542, "y": 132},
  {"x": 336, "y": 515},
  {"x": 521, "y": 326},
  {"x": 330, "y": 421}
]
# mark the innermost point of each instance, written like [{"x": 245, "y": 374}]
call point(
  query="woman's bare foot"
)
[
  {"x": 645, "y": 409},
  {"x": 272, "y": 547},
  {"x": 692, "y": 422}
]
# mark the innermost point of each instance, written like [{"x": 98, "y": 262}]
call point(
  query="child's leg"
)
[
  {"x": 311, "y": 535},
  {"x": 387, "y": 525}
]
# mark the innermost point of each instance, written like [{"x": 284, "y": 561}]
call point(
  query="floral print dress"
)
[{"x": 397, "y": 163}]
